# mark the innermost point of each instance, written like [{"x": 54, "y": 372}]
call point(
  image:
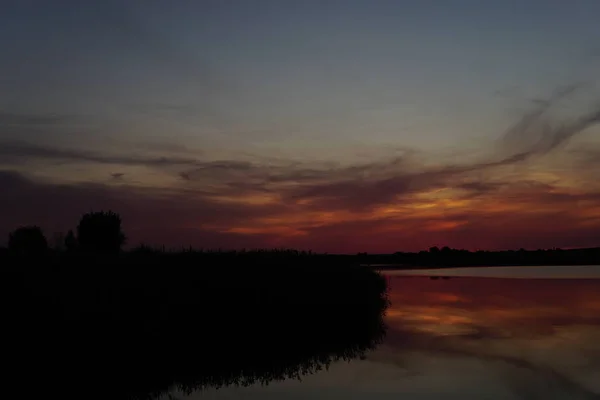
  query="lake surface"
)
[{"x": 478, "y": 335}]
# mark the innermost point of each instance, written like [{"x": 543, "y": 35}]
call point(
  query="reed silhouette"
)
[{"x": 139, "y": 324}]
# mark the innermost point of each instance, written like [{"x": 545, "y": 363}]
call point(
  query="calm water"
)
[{"x": 470, "y": 337}]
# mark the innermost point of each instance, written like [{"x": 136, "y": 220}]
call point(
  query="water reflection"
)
[
  {"x": 537, "y": 337},
  {"x": 469, "y": 338}
]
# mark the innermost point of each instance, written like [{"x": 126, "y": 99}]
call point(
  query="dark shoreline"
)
[
  {"x": 449, "y": 258},
  {"x": 138, "y": 326},
  {"x": 395, "y": 267}
]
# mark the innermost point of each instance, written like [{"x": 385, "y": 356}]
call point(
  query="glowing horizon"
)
[{"x": 341, "y": 128}]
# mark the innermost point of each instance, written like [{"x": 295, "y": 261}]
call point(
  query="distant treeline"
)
[
  {"x": 447, "y": 257},
  {"x": 100, "y": 234},
  {"x": 91, "y": 321}
]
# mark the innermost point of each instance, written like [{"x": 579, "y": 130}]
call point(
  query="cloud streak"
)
[
  {"x": 245, "y": 217},
  {"x": 472, "y": 204},
  {"x": 33, "y": 119},
  {"x": 19, "y": 151}
]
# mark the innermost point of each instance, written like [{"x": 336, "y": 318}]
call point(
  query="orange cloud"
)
[{"x": 515, "y": 199}]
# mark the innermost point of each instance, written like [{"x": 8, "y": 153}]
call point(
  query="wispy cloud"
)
[
  {"x": 512, "y": 216},
  {"x": 534, "y": 135},
  {"x": 407, "y": 201},
  {"x": 19, "y": 151},
  {"x": 34, "y": 119},
  {"x": 530, "y": 137}
]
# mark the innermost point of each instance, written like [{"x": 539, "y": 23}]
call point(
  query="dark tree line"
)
[
  {"x": 449, "y": 257},
  {"x": 27, "y": 240},
  {"x": 98, "y": 232},
  {"x": 148, "y": 321},
  {"x": 101, "y": 233}
]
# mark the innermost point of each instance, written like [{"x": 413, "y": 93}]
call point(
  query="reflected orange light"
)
[{"x": 493, "y": 304}]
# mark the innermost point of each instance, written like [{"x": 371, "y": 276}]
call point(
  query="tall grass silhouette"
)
[{"x": 139, "y": 324}]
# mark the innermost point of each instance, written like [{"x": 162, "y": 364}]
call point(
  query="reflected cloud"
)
[{"x": 538, "y": 336}]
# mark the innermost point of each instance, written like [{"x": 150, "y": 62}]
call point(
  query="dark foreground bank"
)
[{"x": 138, "y": 325}]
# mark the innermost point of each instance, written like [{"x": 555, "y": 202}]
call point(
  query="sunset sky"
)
[{"x": 338, "y": 126}]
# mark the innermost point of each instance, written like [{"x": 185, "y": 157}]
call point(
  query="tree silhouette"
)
[
  {"x": 58, "y": 241},
  {"x": 70, "y": 241},
  {"x": 100, "y": 233},
  {"x": 27, "y": 240}
]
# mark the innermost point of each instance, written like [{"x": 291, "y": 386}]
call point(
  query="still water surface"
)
[
  {"x": 554, "y": 272},
  {"x": 470, "y": 337}
]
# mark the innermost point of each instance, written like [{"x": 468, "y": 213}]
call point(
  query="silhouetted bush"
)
[
  {"x": 27, "y": 240},
  {"x": 146, "y": 322},
  {"x": 100, "y": 233},
  {"x": 70, "y": 242}
]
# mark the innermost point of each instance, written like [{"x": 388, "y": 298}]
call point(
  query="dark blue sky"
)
[{"x": 292, "y": 74}]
